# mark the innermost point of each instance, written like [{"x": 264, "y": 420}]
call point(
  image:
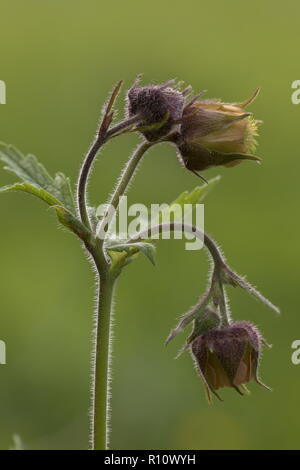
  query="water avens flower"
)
[
  {"x": 215, "y": 133},
  {"x": 160, "y": 108},
  {"x": 228, "y": 357},
  {"x": 207, "y": 133}
]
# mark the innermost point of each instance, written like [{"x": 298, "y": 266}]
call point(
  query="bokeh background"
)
[{"x": 59, "y": 59}]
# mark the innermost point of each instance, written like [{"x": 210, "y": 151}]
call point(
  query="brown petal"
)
[
  {"x": 215, "y": 373},
  {"x": 230, "y": 350}
]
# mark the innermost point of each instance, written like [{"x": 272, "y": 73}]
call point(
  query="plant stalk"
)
[
  {"x": 225, "y": 316},
  {"x": 99, "y": 420},
  {"x": 124, "y": 181},
  {"x": 209, "y": 243},
  {"x": 100, "y": 140}
]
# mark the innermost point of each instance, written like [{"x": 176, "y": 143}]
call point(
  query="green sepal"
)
[{"x": 208, "y": 320}]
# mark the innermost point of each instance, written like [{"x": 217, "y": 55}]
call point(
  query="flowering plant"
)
[{"x": 205, "y": 133}]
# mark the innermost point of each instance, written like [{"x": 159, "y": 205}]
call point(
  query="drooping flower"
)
[
  {"x": 228, "y": 357},
  {"x": 160, "y": 108},
  {"x": 216, "y": 133}
]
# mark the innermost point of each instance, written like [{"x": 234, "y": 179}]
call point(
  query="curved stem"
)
[
  {"x": 209, "y": 243},
  {"x": 221, "y": 274},
  {"x": 101, "y": 138},
  {"x": 83, "y": 178},
  {"x": 219, "y": 265}
]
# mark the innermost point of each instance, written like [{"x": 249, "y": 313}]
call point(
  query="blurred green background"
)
[{"x": 59, "y": 59}]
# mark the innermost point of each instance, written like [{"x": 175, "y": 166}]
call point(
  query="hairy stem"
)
[
  {"x": 99, "y": 419},
  {"x": 209, "y": 243},
  {"x": 124, "y": 181},
  {"x": 129, "y": 171},
  {"x": 219, "y": 265},
  {"x": 100, "y": 140},
  {"x": 225, "y": 316},
  {"x": 83, "y": 178}
]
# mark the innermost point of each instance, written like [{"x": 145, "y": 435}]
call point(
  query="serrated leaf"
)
[
  {"x": 28, "y": 169},
  {"x": 132, "y": 248},
  {"x": 67, "y": 219}
]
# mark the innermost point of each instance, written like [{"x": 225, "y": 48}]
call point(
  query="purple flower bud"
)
[
  {"x": 160, "y": 107},
  {"x": 228, "y": 357}
]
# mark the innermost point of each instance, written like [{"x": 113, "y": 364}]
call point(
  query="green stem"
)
[
  {"x": 83, "y": 178},
  {"x": 129, "y": 171},
  {"x": 225, "y": 316},
  {"x": 210, "y": 244},
  {"x": 100, "y": 140},
  {"x": 99, "y": 434},
  {"x": 218, "y": 267},
  {"x": 125, "y": 179},
  {"x": 99, "y": 429}
]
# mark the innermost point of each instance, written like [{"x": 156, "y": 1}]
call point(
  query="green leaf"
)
[
  {"x": 34, "y": 190},
  {"x": 67, "y": 219},
  {"x": 133, "y": 248},
  {"x": 28, "y": 169},
  {"x": 196, "y": 196}
]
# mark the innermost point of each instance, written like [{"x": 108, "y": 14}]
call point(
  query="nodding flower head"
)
[
  {"x": 228, "y": 357},
  {"x": 160, "y": 108},
  {"x": 215, "y": 133}
]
